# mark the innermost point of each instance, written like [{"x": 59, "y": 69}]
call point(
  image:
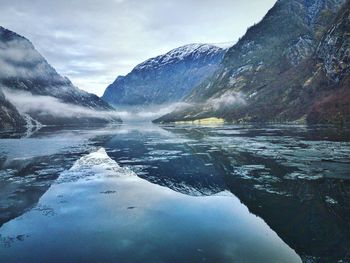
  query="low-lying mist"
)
[
  {"x": 26, "y": 102},
  {"x": 147, "y": 113},
  {"x": 227, "y": 101}
]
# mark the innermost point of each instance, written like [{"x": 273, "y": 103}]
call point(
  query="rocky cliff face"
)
[
  {"x": 333, "y": 62},
  {"x": 26, "y": 73},
  {"x": 334, "y": 50},
  {"x": 166, "y": 78},
  {"x": 271, "y": 74}
]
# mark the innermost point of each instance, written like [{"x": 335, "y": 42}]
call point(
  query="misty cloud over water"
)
[{"x": 26, "y": 102}]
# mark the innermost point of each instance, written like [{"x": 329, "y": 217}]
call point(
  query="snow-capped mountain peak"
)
[{"x": 193, "y": 51}]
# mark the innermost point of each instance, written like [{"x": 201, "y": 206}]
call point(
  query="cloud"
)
[
  {"x": 147, "y": 113},
  {"x": 17, "y": 51},
  {"x": 92, "y": 43},
  {"x": 227, "y": 100},
  {"x": 26, "y": 102},
  {"x": 18, "y": 59}
]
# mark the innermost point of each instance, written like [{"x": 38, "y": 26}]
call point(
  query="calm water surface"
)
[{"x": 143, "y": 193}]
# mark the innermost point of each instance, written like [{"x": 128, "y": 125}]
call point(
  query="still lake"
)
[{"x": 146, "y": 193}]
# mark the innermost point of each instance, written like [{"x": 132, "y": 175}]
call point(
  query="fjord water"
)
[{"x": 143, "y": 193}]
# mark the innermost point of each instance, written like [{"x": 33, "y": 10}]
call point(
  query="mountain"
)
[
  {"x": 285, "y": 68},
  {"x": 166, "y": 78},
  {"x": 36, "y": 90}
]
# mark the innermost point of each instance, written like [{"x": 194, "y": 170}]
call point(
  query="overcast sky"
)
[{"x": 94, "y": 41}]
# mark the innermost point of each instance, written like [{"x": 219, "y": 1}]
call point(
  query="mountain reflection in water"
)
[{"x": 295, "y": 178}]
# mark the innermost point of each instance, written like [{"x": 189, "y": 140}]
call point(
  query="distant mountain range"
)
[
  {"x": 292, "y": 66},
  {"x": 166, "y": 78},
  {"x": 31, "y": 90}
]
